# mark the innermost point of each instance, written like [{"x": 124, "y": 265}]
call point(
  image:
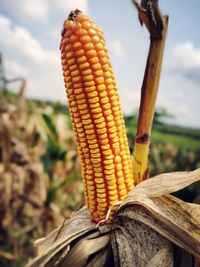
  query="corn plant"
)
[{"x": 121, "y": 225}]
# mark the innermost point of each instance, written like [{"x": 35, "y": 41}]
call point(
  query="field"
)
[{"x": 40, "y": 181}]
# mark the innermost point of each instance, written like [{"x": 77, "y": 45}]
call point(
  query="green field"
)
[{"x": 179, "y": 140}]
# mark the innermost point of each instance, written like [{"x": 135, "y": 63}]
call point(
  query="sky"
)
[{"x": 30, "y": 38}]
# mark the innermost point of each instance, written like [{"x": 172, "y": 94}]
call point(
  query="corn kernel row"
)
[{"x": 96, "y": 115}]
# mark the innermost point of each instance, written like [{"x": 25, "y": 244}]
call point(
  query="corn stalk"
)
[{"x": 157, "y": 24}]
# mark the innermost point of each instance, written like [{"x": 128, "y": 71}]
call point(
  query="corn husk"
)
[{"x": 146, "y": 229}]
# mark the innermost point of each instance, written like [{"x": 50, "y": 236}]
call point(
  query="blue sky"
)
[{"x": 30, "y": 36}]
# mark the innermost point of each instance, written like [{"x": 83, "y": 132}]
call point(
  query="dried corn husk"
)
[{"x": 145, "y": 229}]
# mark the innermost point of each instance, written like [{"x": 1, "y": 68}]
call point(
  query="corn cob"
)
[{"x": 96, "y": 115}]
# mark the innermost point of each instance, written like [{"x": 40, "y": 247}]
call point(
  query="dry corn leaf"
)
[
  {"x": 136, "y": 244},
  {"x": 62, "y": 237},
  {"x": 161, "y": 257},
  {"x": 165, "y": 183},
  {"x": 174, "y": 219},
  {"x": 92, "y": 243},
  {"x": 100, "y": 258},
  {"x": 146, "y": 225}
]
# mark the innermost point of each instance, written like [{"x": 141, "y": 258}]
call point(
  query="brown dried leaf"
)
[
  {"x": 145, "y": 227},
  {"x": 135, "y": 244},
  {"x": 100, "y": 258},
  {"x": 173, "y": 218},
  {"x": 78, "y": 255},
  {"x": 60, "y": 238},
  {"x": 163, "y": 257},
  {"x": 62, "y": 128},
  {"x": 165, "y": 183}
]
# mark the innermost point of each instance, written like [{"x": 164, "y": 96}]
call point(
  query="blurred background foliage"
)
[{"x": 40, "y": 182}]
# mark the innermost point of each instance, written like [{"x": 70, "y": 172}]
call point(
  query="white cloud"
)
[
  {"x": 19, "y": 39},
  {"x": 67, "y": 5},
  {"x": 4, "y": 22},
  {"x": 32, "y": 9},
  {"x": 180, "y": 109},
  {"x": 130, "y": 100},
  {"x": 187, "y": 55},
  {"x": 24, "y": 55},
  {"x": 187, "y": 60},
  {"x": 39, "y": 10},
  {"x": 54, "y": 33},
  {"x": 116, "y": 48},
  {"x": 178, "y": 95},
  {"x": 13, "y": 68}
]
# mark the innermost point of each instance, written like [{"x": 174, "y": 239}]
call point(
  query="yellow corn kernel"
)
[{"x": 96, "y": 115}]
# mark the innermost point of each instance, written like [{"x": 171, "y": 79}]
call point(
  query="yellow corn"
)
[{"x": 96, "y": 115}]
